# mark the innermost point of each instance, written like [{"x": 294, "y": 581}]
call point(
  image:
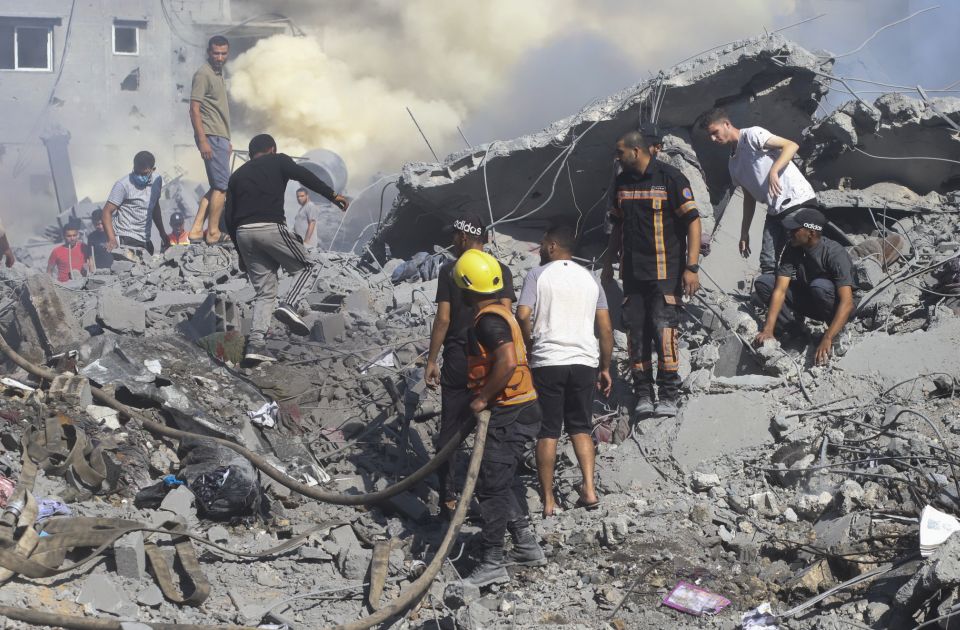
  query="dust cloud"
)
[{"x": 346, "y": 84}]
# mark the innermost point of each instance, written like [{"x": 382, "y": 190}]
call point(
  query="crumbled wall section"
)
[
  {"x": 766, "y": 79},
  {"x": 897, "y": 127}
]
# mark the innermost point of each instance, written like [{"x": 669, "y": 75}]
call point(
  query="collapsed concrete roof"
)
[
  {"x": 566, "y": 169},
  {"x": 840, "y": 148}
]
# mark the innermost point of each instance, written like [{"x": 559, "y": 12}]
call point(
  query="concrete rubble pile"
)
[{"x": 793, "y": 491}]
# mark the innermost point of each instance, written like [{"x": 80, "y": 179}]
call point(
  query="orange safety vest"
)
[{"x": 520, "y": 387}]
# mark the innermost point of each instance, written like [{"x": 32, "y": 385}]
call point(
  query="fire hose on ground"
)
[{"x": 403, "y": 602}]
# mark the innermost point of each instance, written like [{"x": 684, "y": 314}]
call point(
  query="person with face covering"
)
[{"x": 133, "y": 202}]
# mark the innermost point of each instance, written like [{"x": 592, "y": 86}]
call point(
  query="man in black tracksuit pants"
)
[
  {"x": 656, "y": 234},
  {"x": 257, "y": 224}
]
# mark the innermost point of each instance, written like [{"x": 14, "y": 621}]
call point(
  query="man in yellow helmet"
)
[{"x": 500, "y": 380}]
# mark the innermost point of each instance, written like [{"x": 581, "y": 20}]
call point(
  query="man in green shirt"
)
[{"x": 210, "y": 117}]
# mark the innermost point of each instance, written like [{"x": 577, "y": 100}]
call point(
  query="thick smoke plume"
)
[{"x": 346, "y": 85}]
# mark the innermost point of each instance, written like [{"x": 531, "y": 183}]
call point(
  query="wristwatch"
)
[{"x": 693, "y": 268}]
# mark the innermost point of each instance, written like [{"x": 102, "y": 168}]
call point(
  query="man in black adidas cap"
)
[
  {"x": 454, "y": 317},
  {"x": 814, "y": 279}
]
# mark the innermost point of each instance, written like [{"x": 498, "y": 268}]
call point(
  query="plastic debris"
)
[
  {"x": 265, "y": 416},
  {"x": 935, "y": 528},
  {"x": 694, "y": 600},
  {"x": 759, "y": 618}
]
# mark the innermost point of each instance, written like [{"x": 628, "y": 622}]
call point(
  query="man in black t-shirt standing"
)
[
  {"x": 656, "y": 234},
  {"x": 814, "y": 279},
  {"x": 454, "y": 317}
]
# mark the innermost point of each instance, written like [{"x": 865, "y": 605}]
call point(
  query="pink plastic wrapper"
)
[
  {"x": 694, "y": 600},
  {"x": 7, "y": 487}
]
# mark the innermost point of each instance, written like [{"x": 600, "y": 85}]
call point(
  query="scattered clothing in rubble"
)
[
  {"x": 225, "y": 484},
  {"x": 48, "y": 508},
  {"x": 422, "y": 266},
  {"x": 7, "y": 486}
]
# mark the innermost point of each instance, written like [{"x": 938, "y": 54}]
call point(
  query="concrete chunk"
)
[
  {"x": 71, "y": 389},
  {"x": 100, "y": 592},
  {"x": 129, "y": 556},
  {"x": 328, "y": 327},
  {"x": 57, "y": 326},
  {"x": 121, "y": 314}
]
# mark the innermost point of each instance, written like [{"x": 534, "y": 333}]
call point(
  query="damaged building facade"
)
[
  {"x": 87, "y": 84},
  {"x": 300, "y": 494}
]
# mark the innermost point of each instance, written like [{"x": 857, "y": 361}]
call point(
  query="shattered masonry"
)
[{"x": 777, "y": 483}]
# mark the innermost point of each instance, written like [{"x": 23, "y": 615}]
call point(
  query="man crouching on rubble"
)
[
  {"x": 814, "y": 279},
  {"x": 257, "y": 224},
  {"x": 500, "y": 379}
]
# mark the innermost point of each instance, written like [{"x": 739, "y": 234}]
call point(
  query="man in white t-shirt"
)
[
  {"x": 561, "y": 311},
  {"x": 761, "y": 165}
]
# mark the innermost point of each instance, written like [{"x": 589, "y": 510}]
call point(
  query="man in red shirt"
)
[{"x": 69, "y": 257}]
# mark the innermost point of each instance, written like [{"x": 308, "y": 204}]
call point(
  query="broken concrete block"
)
[
  {"x": 72, "y": 389},
  {"x": 216, "y": 314},
  {"x": 218, "y": 534},
  {"x": 121, "y": 314},
  {"x": 100, "y": 592},
  {"x": 615, "y": 530},
  {"x": 354, "y": 562},
  {"x": 816, "y": 578},
  {"x": 328, "y": 327},
  {"x": 151, "y": 596},
  {"x": 358, "y": 301},
  {"x": 105, "y": 416},
  {"x": 57, "y": 326},
  {"x": 460, "y": 594},
  {"x": 181, "y": 502},
  {"x": 129, "y": 557},
  {"x": 812, "y": 506},
  {"x": 701, "y": 481}
]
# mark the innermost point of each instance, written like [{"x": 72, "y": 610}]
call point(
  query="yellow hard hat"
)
[{"x": 479, "y": 272}]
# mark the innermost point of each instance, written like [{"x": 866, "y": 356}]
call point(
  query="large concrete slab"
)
[
  {"x": 893, "y": 358},
  {"x": 765, "y": 79},
  {"x": 716, "y": 425}
]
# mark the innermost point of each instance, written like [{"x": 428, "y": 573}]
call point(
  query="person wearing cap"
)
[
  {"x": 98, "y": 256},
  {"x": 655, "y": 233},
  {"x": 449, "y": 332},
  {"x": 814, "y": 279},
  {"x": 562, "y": 312},
  {"x": 178, "y": 235},
  {"x": 499, "y": 379},
  {"x": 257, "y": 223},
  {"x": 134, "y": 200},
  {"x": 761, "y": 164}
]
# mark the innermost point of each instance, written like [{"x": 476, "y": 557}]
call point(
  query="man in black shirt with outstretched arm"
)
[{"x": 257, "y": 223}]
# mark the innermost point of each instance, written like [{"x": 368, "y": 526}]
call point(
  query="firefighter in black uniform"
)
[{"x": 656, "y": 235}]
